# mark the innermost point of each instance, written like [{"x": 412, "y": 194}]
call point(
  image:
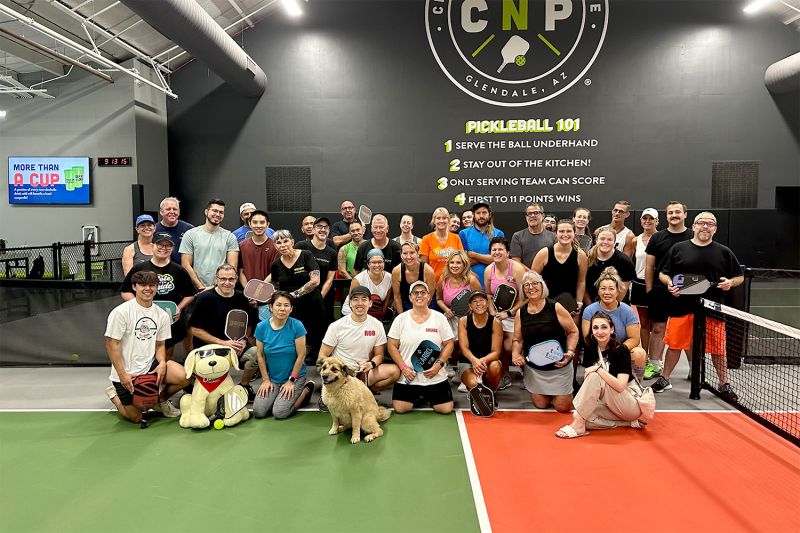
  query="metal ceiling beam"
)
[
  {"x": 56, "y": 55},
  {"x": 82, "y": 49},
  {"x": 111, "y": 37},
  {"x": 43, "y": 62}
]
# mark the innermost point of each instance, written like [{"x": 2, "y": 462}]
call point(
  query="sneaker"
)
[
  {"x": 451, "y": 372},
  {"x": 727, "y": 394},
  {"x": 251, "y": 394},
  {"x": 111, "y": 391},
  {"x": 505, "y": 382},
  {"x": 661, "y": 385},
  {"x": 321, "y": 405},
  {"x": 167, "y": 409},
  {"x": 309, "y": 386},
  {"x": 651, "y": 371},
  {"x": 462, "y": 388}
]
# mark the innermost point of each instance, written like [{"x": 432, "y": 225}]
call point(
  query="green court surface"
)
[
  {"x": 89, "y": 471},
  {"x": 781, "y": 304}
]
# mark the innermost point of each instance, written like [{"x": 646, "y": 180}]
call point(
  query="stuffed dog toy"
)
[
  {"x": 349, "y": 401},
  {"x": 210, "y": 364}
]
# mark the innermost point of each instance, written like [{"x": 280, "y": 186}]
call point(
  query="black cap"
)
[
  {"x": 322, "y": 219},
  {"x": 475, "y": 294},
  {"x": 362, "y": 290},
  {"x": 163, "y": 236},
  {"x": 479, "y": 205}
]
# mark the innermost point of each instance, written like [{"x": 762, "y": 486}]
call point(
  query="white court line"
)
[
  {"x": 774, "y": 306},
  {"x": 477, "y": 493},
  {"x": 314, "y": 410}
]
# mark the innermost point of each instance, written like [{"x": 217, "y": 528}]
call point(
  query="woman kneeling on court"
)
[
  {"x": 537, "y": 324},
  {"x": 281, "y": 349},
  {"x": 420, "y": 342},
  {"x": 604, "y": 401}
]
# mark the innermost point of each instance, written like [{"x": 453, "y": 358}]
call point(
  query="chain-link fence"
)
[{"x": 77, "y": 261}]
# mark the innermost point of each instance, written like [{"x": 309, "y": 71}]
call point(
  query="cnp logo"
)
[{"x": 515, "y": 52}]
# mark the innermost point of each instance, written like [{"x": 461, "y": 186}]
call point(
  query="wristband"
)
[
  {"x": 372, "y": 363},
  {"x": 403, "y": 368},
  {"x": 442, "y": 362},
  {"x": 295, "y": 375}
]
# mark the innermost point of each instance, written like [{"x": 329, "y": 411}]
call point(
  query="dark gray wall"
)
[{"x": 355, "y": 93}]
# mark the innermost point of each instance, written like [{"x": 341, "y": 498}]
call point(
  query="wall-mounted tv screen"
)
[{"x": 49, "y": 180}]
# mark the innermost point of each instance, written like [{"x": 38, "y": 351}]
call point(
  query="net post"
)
[{"x": 698, "y": 351}]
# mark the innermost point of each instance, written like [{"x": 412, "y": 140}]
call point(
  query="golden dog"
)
[
  {"x": 350, "y": 402},
  {"x": 211, "y": 363}
]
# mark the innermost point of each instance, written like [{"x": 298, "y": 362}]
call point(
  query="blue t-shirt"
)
[
  {"x": 622, "y": 317},
  {"x": 474, "y": 241},
  {"x": 279, "y": 348},
  {"x": 241, "y": 233},
  {"x": 176, "y": 232}
]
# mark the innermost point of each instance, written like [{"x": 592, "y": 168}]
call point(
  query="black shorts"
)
[
  {"x": 436, "y": 394},
  {"x": 177, "y": 332},
  {"x": 638, "y": 293},
  {"x": 658, "y": 301},
  {"x": 124, "y": 395}
]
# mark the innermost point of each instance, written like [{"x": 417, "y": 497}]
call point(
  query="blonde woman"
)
[
  {"x": 455, "y": 279},
  {"x": 602, "y": 255},
  {"x": 436, "y": 247}
]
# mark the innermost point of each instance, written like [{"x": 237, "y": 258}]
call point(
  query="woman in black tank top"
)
[
  {"x": 411, "y": 265},
  {"x": 481, "y": 341},
  {"x": 563, "y": 265}
]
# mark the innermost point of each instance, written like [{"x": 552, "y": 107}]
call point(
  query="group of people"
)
[{"x": 605, "y": 298}]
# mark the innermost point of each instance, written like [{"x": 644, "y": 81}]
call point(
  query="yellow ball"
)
[
  {"x": 219, "y": 423},
  {"x": 75, "y": 357}
]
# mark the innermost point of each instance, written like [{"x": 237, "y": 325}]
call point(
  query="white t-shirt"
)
[
  {"x": 436, "y": 329},
  {"x": 381, "y": 289},
  {"x": 138, "y": 328},
  {"x": 353, "y": 341}
]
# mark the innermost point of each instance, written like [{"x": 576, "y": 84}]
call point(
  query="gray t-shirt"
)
[
  {"x": 208, "y": 250},
  {"x": 525, "y": 244}
]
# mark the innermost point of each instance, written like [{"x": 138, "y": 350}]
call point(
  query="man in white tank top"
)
[{"x": 624, "y": 241}]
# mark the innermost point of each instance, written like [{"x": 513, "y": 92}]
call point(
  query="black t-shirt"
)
[
  {"x": 292, "y": 278},
  {"x": 174, "y": 283},
  {"x": 211, "y": 312},
  {"x": 391, "y": 255},
  {"x": 618, "y": 260},
  {"x": 713, "y": 261},
  {"x": 327, "y": 258},
  {"x": 661, "y": 242}
]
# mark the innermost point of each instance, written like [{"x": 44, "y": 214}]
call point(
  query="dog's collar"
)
[{"x": 211, "y": 384}]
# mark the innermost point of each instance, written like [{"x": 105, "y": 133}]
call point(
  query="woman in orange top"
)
[{"x": 436, "y": 247}]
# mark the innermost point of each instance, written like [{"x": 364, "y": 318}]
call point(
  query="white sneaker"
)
[
  {"x": 167, "y": 409},
  {"x": 462, "y": 388},
  {"x": 451, "y": 371},
  {"x": 111, "y": 391}
]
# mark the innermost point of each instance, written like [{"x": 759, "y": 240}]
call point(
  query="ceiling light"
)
[
  {"x": 292, "y": 8},
  {"x": 2, "y": 113},
  {"x": 755, "y": 6}
]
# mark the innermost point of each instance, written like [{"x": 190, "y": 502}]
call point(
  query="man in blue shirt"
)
[{"x": 475, "y": 239}]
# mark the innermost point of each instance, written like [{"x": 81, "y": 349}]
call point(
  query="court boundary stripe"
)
[
  {"x": 311, "y": 410},
  {"x": 472, "y": 470}
]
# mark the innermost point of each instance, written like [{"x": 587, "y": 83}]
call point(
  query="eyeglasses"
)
[
  {"x": 419, "y": 293},
  {"x": 322, "y": 226},
  {"x": 706, "y": 224},
  {"x": 164, "y": 245},
  {"x": 226, "y": 280},
  {"x": 532, "y": 214},
  {"x": 619, "y": 210},
  {"x": 531, "y": 284},
  {"x": 348, "y": 208},
  {"x": 217, "y": 211}
]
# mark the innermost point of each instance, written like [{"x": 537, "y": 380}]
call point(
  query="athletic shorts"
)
[
  {"x": 177, "y": 333},
  {"x": 638, "y": 293},
  {"x": 436, "y": 394},
  {"x": 658, "y": 300},
  {"x": 679, "y": 334},
  {"x": 124, "y": 394}
]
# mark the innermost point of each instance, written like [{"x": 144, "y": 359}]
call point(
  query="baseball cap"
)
[
  {"x": 322, "y": 219},
  {"x": 144, "y": 218},
  {"x": 477, "y": 206},
  {"x": 246, "y": 205},
  {"x": 650, "y": 211},
  {"x": 475, "y": 294},
  {"x": 418, "y": 283},
  {"x": 360, "y": 290},
  {"x": 162, "y": 236}
]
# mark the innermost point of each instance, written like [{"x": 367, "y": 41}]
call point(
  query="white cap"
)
[
  {"x": 650, "y": 211},
  {"x": 418, "y": 283},
  {"x": 246, "y": 205}
]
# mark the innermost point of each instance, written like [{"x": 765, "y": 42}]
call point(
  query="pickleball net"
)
[{"x": 761, "y": 366}]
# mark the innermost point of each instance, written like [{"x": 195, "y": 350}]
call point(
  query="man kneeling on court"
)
[
  {"x": 359, "y": 340},
  {"x": 135, "y": 336}
]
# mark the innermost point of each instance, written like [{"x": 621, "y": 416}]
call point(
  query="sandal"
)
[{"x": 568, "y": 432}]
